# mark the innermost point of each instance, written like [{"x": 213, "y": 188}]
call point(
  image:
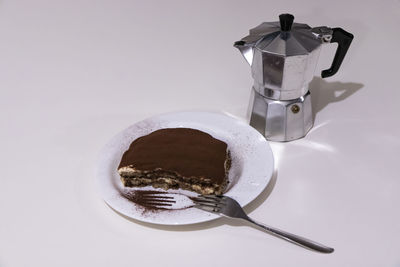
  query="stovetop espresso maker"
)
[{"x": 283, "y": 56}]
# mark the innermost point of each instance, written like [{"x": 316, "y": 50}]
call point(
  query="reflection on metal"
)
[{"x": 276, "y": 120}]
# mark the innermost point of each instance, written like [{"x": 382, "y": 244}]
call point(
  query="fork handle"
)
[{"x": 301, "y": 241}]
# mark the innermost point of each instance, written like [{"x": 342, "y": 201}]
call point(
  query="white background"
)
[{"x": 74, "y": 73}]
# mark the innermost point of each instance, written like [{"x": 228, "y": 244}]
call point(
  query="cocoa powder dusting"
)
[{"x": 189, "y": 152}]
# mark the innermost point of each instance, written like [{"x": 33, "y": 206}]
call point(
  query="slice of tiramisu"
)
[{"x": 177, "y": 158}]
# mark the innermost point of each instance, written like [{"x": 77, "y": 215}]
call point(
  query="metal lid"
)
[{"x": 283, "y": 37}]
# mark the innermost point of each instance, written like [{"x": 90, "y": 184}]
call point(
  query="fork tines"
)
[
  {"x": 156, "y": 200},
  {"x": 211, "y": 203},
  {"x": 150, "y": 199}
]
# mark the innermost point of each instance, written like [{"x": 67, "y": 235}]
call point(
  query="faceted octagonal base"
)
[{"x": 281, "y": 120}]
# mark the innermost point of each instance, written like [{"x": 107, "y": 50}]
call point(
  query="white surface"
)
[
  {"x": 73, "y": 73},
  {"x": 252, "y": 164}
]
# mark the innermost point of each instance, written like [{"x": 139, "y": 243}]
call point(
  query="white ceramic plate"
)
[{"x": 251, "y": 171}]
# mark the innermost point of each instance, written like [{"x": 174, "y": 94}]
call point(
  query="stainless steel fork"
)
[{"x": 229, "y": 207}]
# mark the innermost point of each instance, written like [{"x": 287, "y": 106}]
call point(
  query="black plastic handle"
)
[
  {"x": 343, "y": 39},
  {"x": 286, "y": 21}
]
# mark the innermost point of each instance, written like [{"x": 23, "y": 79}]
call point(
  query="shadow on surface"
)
[
  {"x": 323, "y": 93},
  {"x": 217, "y": 222}
]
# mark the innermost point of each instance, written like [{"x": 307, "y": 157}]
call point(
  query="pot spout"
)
[{"x": 246, "y": 50}]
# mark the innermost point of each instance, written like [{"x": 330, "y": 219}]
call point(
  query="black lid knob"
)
[{"x": 286, "y": 21}]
